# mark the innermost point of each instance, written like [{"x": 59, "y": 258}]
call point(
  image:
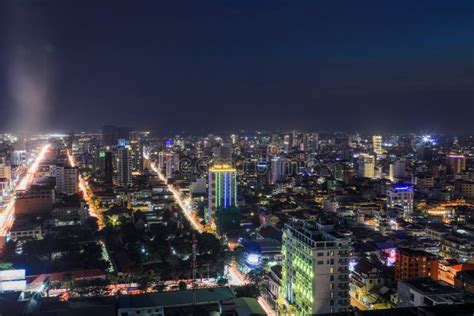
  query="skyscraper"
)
[
  {"x": 377, "y": 144},
  {"x": 222, "y": 190},
  {"x": 108, "y": 165},
  {"x": 124, "y": 166},
  {"x": 315, "y": 270},
  {"x": 397, "y": 169},
  {"x": 366, "y": 166}
]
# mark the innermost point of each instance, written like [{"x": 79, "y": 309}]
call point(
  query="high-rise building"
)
[
  {"x": 223, "y": 153},
  {"x": 366, "y": 166},
  {"x": 108, "y": 166},
  {"x": 18, "y": 157},
  {"x": 136, "y": 151},
  {"x": 456, "y": 163},
  {"x": 67, "y": 179},
  {"x": 377, "y": 144},
  {"x": 397, "y": 169},
  {"x": 401, "y": 196},
  {"x": 276, "y": 167},
  {"x": 315, "y": 269},
  {"x": 124, "y": 166},
  {"x": 222, "y": 189}
]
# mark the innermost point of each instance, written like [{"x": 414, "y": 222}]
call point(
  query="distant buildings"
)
[
  {"x": 377, "y": 144},
  {"x": 315, "y": 274},
  {"x": 397, "y": 169},
  {"x": 456, "y": 163},
  {"x": 366, "y": 166}
]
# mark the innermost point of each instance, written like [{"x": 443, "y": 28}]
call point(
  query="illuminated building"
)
[
  {"x": 456, "y": 163},
  {"x": 315, "y": 269},
  {"x": 5, "y": 173},
  {"x": 35, "y": 201},
  {"x": 466, "y": 188},
  {"x": 276, "y": 167},
  {"x": 401, "y": 196},
  {"x": 397, "y": 169},
  {"x": 311, "y": 142},
  {"x": 124, "y": 166},
  {"x": 377, "y": 144},
  {"x": 366, "y": 166},
  {"x": 18, "y": 157},
  {"x": 446, "y": 270},
  {"x": 365, "y": 282},
  {"x": 411, "y": 263},
  {"x": 67, "y": 179},
  {"x": 12, "y": 281},
  {"x": 222, "y": 191}
]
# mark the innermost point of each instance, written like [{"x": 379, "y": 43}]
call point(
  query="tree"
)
[
  {"x": 5, "y": 265},
  {"x": 250, "y": 290},
  {"x": 182, "y": 285},
  {"x": 222, "y": 282}
]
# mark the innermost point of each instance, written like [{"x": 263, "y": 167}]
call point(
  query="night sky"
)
[{"x": 217, "y": 66}]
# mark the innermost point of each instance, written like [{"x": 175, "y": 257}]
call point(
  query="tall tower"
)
[
  {"x": 222, "y": 192},
  {"x": 377, "y": 144},
  {"x": 366, "y": 166},
  {"x": 124, "y": 166}
]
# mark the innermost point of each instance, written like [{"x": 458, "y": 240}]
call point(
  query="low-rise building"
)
[{"x": 427, "y": 292}]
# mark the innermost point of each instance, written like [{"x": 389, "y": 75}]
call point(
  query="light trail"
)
[
  {"x": 183, "y": 204},
  {"x": 239, "y": 279},
  {"x": 7, "y": 216},
  {"x": 93, "y": 211}
]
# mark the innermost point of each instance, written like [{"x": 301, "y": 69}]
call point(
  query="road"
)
[
  {"x": 236, "y": 278},
  {"x": 7, "y": 216},
  {"x": 184, "y": 204},
  {"x": 84, "y": 188}
]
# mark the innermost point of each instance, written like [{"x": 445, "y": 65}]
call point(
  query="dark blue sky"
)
[{"x": 222, "y": 65}]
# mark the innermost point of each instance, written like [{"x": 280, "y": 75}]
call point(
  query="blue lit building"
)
[{"x": 401, "y": 196}]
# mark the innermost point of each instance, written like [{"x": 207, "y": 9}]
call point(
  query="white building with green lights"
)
[{"x": 315, "y": 270}]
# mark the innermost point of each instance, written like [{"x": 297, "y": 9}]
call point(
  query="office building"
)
[
  {"x": 377, "y": 144},
  {"x": 397, "y": 169},
  {"x": 315, "y": 274},
  {"x": 366, "y": 166},
  {"x": 401, "y": 196}
]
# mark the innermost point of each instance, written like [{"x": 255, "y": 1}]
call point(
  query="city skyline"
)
[{"x": 215, "y": 66}]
